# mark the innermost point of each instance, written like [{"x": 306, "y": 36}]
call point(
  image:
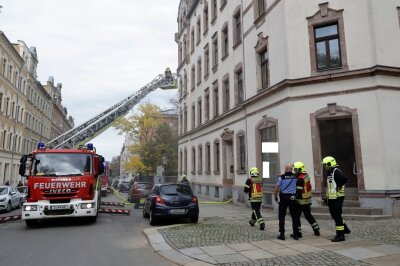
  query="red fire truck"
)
[{"x": 62, "y": 183}]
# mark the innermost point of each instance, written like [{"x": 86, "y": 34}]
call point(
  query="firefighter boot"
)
[
  {"x": 262, "y": 226},
  {"x": 252, "y": 222},
  {"x": 346, "y": 229},
  {"x": 338, "y": 238},
  {"x": 295, "y": 236},
  {"x": 281, "y": 236},
  {"x": 316, "y": 232}
]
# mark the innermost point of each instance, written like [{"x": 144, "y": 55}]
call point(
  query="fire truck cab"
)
[{"x": 61, "y": 183}]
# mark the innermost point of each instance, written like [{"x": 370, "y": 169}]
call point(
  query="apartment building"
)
[
  {"x": 318, "y": 77},
  {"x": 26, "y": 110}
]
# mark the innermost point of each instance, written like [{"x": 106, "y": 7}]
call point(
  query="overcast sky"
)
[{"x": 100, "y": 50}]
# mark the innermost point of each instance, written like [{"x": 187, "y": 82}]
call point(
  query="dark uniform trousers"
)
[
  {"x": 335, "y": 208},
  {"x": 306, "y": 210},
  {"x": 256, "y": 214},
  {"x": 288, "y": 200}
]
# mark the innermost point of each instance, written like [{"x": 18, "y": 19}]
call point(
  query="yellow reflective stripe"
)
[
  {"x": 97, "y": 183},
  {"x": 299, "y": 187},
  {"x": 340, "y": 228},
  {"x": 246, "y": 186}
]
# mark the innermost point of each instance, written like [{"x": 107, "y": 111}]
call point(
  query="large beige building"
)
[
  {"x": 319, "y": 77},
  {"x": 26, "y": 110}
]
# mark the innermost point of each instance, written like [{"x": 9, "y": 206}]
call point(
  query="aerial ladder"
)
[{"x": 99, "y": 123}]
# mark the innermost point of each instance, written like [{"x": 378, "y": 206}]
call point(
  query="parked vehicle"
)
[
  {"x": 171, "y": 201},
  {"x": 23, "y": 191},
  {"x": 124, "y": 186},
  {"x": 10, "y": 198},
  {"x": 138, "y": 191}
]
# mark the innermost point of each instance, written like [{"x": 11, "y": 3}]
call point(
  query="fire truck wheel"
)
[
  {"x": 9, "y": 207},
  {"x": 92, "y": 219},
  {"x": 31, "y": 223},
  {"x": 153, "y": 220}
]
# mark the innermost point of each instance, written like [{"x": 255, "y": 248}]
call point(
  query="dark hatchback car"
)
[
  {"x": 124, "y": 186},
  {"x": 139, "y": 192},
  {"x": 171, "y": 201}
]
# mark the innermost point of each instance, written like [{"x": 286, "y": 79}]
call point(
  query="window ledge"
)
[
  {"x": 215, "y": 68},
  {"x": 192, "y": 51},
  {"x": 208, "y": 172},
  {"x": 213, "y": 20},
  {"x": 223, "y": 6},
  {"x": 205, "y": 32},
  {"x": 193, "y": 172},
  {"x": 237, "y": 44},
  {"x": 206, "y": 76},
  {"x": 260, "y": 20},
  {"x": 329, "y": 71},
  {"x": 241, "y": 172},
  {"x": 198, "y": 42},
  {"x": 225, "y": 56},
  {"x": 216, "y": 172},
  {"x": 199, "y": 172}
]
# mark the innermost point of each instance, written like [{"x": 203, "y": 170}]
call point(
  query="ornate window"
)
[
  {"x": 217, "y": 154},
  {"x": 241, "y": 153},
  {"x": 237, "y": 26},
  {"x": 262, "y": 61},
  {"x": 239, "y": 90},
  {"x": 200, "y": 160},
  {"x": 225, "y": 41},
  {"x": 193, "y": 160},
  {"x": 327, "y": 41},
  {"x": 226, "y": 93}
]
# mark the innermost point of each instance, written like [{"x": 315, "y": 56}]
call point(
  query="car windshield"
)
[
  {"x": 175, "y": 190},
  {"x": 61, "y": 164},
  {"x": 21, "y": 189},
  {"x": 143, "y": 186},
  {"x": 3, "y": 190}
]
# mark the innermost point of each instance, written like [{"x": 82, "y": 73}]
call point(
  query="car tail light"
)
[
  {"x": 158, "y": 199},
  {"x": 194, "y": 199}
]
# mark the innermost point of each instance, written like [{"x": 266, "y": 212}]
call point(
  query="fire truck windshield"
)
[{"x": 61, "y": 164}]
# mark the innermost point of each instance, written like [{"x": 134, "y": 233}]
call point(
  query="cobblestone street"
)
[{"x": 224, "y": 237}]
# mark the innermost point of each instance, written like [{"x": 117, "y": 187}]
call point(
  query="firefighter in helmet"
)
[
  {"x": 303, "y": 196},
  {"x": 335, "y": 196},
  {"x": 253, "y": 187}
]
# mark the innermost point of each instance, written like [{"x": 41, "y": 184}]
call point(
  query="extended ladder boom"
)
[{"x": 96, "y": 125}]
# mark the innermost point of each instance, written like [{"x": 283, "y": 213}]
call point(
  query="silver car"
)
[{"x": 9, "y": 198}]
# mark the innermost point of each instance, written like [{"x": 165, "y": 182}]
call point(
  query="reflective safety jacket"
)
[
  {"x": 335, "y": 183},
  {"x": 253, "y": 187},
  {"x": 303, "y": 189}
]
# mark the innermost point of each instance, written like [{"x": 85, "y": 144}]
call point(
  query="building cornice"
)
[{"x": 287, "y": 83}]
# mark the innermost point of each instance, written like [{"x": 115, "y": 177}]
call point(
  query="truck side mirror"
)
[{"x": 101, "y": 165}]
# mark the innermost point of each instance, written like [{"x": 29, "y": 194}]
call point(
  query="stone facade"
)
[
  {"x": 26, "y": 109},
  {"x": 321, "y": 78}
]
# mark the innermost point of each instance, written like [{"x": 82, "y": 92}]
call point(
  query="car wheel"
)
[
  {"x": 145, "y": 215},
  {"x": 31, "y": 223},
  {"x": 194, "y": 219},
  {"x": 153, "y": 220},
  {"x": 9, "y": 207},
  {"x": 20, "y": 204}
]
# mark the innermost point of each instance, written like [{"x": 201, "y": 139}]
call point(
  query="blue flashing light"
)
[
  {"x": 41, "y": 145},
  {"x": 89, "y": 146}
]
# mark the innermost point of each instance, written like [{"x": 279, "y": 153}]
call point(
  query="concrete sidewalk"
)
[{"x": 223, "y": 237}]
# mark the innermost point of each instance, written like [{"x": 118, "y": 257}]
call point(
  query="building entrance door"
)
[
  {"x": 337, "y": 140},
  {"x": 229, "y": 170}
]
